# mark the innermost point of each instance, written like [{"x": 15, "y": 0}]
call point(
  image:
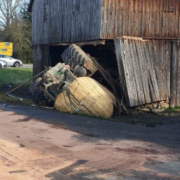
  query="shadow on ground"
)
[{"x": 93, "y": 128}]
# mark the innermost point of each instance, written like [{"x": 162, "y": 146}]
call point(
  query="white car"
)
[
  {"x": 3, "y": 64},
  {"x": 11, "y": 62}
]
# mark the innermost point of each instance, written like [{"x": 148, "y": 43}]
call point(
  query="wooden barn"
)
[{"x": 136, "y": 40}]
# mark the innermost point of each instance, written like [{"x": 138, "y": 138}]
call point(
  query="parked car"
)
[
  {"x": 11, "y": 62},
  {"x": 3, "y": 64}
]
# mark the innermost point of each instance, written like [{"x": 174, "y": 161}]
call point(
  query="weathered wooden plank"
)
[
  {"x": 144, "y": 72},
  {"x": 162, "y": 66},
  {"x": 178, "y": 76},
  {"x": 158, "y": 67},
  {"x": 168, "y": 56},
  {"x": 148, "y": 68},
  {"x": 119, "y": 54},
  {"x": 154, "y": 86},
  {"x": 134, "y": 61},
  {"x": 176, "y": 56},
  {"x": 129, "y": 71},
  {"x": 178, "y": 18},
  {"x": 172, "y": 80},
  {"x": 128, "y": 78},
  {"x": 147, "y": 19}
]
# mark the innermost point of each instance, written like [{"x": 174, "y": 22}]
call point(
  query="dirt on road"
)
[{"x": 41, "y": 144}]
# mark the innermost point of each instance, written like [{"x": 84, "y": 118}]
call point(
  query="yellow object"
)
[
  {"x": 6, "y": 48},
  {"x": 87, "y": 97}
]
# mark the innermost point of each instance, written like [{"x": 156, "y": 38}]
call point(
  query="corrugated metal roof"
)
[{"x": 30, "y": 5}]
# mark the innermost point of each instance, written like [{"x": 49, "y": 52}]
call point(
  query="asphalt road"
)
[
  {"x": 27, "y": 66},
  {"x": 24, "y": 66},
  {"x": 42, "y": 144}
]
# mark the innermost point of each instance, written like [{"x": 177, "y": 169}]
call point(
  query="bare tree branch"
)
[{"x": 8, "y": 9}]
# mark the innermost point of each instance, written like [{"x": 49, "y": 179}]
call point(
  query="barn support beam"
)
[
  {"x": 175, "y": 75},
  {"x": 41, "y": 58},
  {"x": 172, "y": 82}
]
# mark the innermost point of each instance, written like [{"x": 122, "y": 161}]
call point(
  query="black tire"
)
[
  {"x": 0, "y": 66},
  {"x": 74, "y": 55},
  {"x": 38, "y": 94},
  {"x": 38, "y": 97},
  {"x": 16, "y": 64}
]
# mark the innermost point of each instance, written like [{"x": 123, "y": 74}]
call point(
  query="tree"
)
[
  {"x": 22, "y": 36},
  {"x": 15, "y": 26},
  {"x": 1, "y": 35},
  {"x": 8, "y": 12}
]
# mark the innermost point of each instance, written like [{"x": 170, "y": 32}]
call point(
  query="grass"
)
[
  {"x": 14, "y": 76},
  {"x": 175, "y": 109}
]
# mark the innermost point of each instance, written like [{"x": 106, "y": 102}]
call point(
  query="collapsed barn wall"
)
[{"x": 146, "y": 72}]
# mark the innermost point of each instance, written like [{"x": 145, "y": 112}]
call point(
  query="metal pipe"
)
[{"x": 24, "y": 83}]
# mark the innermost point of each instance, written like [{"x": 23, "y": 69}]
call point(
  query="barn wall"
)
[
  {"x": 57, "y": 21},
  {"x": 60, "y": 21},
  {"x": 140, "y": 18}
]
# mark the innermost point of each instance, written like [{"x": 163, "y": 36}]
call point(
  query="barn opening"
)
[{"x": 103, "y": 54}]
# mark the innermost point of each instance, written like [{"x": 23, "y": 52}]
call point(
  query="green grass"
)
[
  {"x": 175, "y": 109},
  {"x": 14, "y": 76}
]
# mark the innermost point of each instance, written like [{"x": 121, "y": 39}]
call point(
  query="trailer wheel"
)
[
  {"x": 74, "y": 56},
  {"x": 36, "y": 92}
]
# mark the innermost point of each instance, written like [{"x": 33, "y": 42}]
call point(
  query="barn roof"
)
[{"x": 30, "y": 5}]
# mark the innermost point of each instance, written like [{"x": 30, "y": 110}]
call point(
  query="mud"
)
[{"x": 42, "y": 144}]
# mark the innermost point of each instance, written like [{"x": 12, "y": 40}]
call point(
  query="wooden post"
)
[
  {"x": 172, "y": 80},
  {"x": 41, "y": 58},
  {"x": 46, "y": 62}
]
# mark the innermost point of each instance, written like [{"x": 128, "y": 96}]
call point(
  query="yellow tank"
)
[{"x": 86, "y": 96}]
